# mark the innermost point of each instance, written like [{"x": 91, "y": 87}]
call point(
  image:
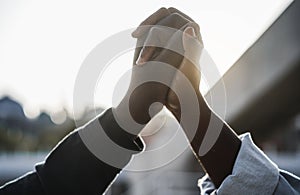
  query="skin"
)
[
  {"x": 218, "y": 162},
  {"x": 140, "y": 98}
]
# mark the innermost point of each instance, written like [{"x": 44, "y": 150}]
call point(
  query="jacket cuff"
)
[{"x": 119, "y": 135}]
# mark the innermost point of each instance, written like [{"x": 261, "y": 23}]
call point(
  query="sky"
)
[{"x": 43, "y": 43}]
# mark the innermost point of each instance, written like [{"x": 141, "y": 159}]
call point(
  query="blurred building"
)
[{"x": 19, "y": 133}]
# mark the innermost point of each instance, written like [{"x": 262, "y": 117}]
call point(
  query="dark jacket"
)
[{"x": 72, "y": 168}]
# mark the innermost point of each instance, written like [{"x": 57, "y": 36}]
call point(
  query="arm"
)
[
  {"x": 234, "y": 164},
  {"x": 253, "y": 172},
  {"x": 218, "y": 162},
  {"x": 72, "y": 169},
  {"x": 75, "y": 165}
]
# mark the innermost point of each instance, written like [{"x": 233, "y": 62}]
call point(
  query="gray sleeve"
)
[
  {"x": 253, "y": 173},
  {"x": 287, "y": 184}
]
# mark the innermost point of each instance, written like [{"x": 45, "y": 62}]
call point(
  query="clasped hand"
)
[{"x": 168, "y": 45}]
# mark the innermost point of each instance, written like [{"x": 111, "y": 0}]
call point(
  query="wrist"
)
[
  {"x": 125, "y": 116},
  {"x": 174, "y": 106},
  {"x": 204, "y": 119},
  {"x": 219, "y": 159},
  {"x": 113, "y": 129}
]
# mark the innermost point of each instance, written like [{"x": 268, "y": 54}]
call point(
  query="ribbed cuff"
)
[{"x": 119, "y": 135}]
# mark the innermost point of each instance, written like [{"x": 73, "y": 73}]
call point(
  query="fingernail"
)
[
  {"x": 190, "y": 30},
  {"x": 140, "y": 61},
  {"x": 135, "y": 33}
]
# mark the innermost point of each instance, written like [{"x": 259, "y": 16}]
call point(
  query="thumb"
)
[{"x": 192, "y": 46}]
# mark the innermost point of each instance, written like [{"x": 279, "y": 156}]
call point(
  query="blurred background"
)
[{"x": 255, "y": 45}]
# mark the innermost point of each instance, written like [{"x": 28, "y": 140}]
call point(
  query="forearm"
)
[
  {"x": 28, "y": 184},
  {"x": 74, "y": 168},
  {"x": 219, "y": 160},
  {"x": 90, "y": 158}
]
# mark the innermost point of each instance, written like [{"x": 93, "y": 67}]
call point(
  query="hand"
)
[
  {"x": 222, "y": 146},
  {"x": 177, "y": 20},
  {"x": 140, "y": 97},
  {"x": 190, "y": 69},
  {"x": 187, "y": 63}
]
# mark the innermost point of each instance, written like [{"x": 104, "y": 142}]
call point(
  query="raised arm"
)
[
  {"x": 235, "y": 165},
  {"x": 87, "y": 160}
]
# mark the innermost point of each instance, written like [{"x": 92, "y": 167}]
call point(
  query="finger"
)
[
  {"x": 174, "y": 20},
  {"x": 196, "y": 28},
  {"x": 151, "y": 20},
  {"x": 162, "y": 34},
  {"x": 193, "y": 23},
  {"x": 191, "y": 45},
  {"x": 145, "y": 55},
  {"x": 192, "y": 52},
  {"x": 173, "y": 51},
  {"x": 139, "y": 45},
  {"x": 187, "y": 67},
  {"x": 158, "y": 37},
  {"x": 174, "y": 10},
  {"x": 183, "y": 52},
  {"x": 188, "y": 33},
  {"x": 140, "y": 32}
]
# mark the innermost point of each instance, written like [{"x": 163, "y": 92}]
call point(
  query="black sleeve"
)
[
  {"x": 27, "y": 184},
  {"x": 71, "y": 168}
]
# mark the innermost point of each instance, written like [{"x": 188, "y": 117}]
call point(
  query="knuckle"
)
[
  {"x": 172, "y": 8},
  {"x": 196, "y": 26},
  {"x": 176, "y": 16},
  {"x": 155, "y": 30},
  {"x": 162, "y": 9},
  {"x": 161, "y": 33},
  {"x": 152, "y": 38}
]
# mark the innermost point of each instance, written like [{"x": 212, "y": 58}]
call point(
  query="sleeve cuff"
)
[
  {"x": 253, "y": 172},
  {"x": 119, "y": 135},
  {"x": 107, "y": 141}
]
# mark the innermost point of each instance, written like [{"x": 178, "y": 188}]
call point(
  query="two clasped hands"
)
[{"x": 169, "y": 46}]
